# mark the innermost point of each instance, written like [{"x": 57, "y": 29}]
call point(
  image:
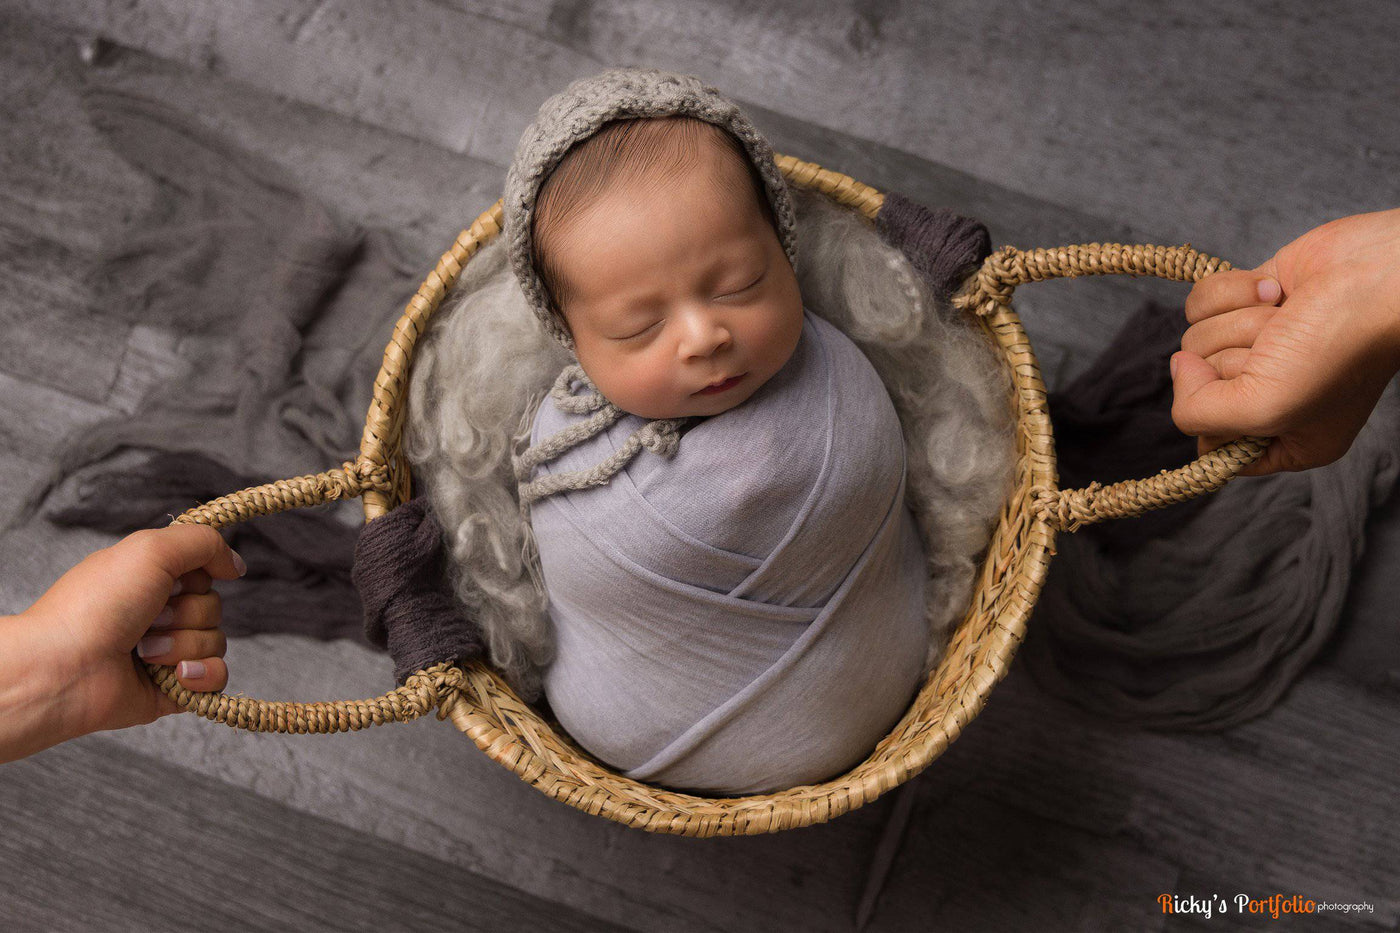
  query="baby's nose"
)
[{"x": 705, "y": 335}]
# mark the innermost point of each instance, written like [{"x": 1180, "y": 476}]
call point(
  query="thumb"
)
[{"x": 1203, "y": 403}]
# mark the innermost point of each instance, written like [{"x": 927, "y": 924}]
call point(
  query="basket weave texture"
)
[{"x": 513, "y": 734}]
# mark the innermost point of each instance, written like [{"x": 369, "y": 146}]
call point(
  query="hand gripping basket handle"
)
[
  {"x": 989, "y": 292},
  {"x": 419, "y": 694}
]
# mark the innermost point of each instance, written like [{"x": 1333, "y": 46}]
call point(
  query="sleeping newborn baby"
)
[{"x": 717, "y": 489}]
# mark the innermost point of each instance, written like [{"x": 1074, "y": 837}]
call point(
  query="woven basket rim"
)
[{"x": 977, "y": 657}]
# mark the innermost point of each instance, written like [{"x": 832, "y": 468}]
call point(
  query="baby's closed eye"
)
[
  {"x": 748, "y": 287},
  {"x": 742, "y": 291},
  {"x": 638, "y": 333}
]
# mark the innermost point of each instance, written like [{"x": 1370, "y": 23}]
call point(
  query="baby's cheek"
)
[
  {"x": 648, "y": 378},
  {"x": 783, "y": 332}
]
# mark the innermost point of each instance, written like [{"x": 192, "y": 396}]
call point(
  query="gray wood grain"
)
[
  {"x": 417, "y": 68},
  {"x": 100, "y": 838},
  {"x": 1240, "y": 127},
  {"x": 426, "y": 786},
  {"x": 404, "y": 117},
  {"x": 1300, "y": 801},
  {"x": 421, "y": 191}
]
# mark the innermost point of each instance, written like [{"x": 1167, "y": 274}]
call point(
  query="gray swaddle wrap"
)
[{"x": 746, "y": 613}]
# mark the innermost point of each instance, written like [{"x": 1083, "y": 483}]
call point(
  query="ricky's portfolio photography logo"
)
[{"x": 1274, "y": 906}]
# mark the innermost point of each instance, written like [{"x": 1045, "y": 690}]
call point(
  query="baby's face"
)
[{"x": 672, "y": 290}]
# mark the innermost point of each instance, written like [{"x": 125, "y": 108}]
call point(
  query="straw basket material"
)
[{"x": 508, "y": 730}]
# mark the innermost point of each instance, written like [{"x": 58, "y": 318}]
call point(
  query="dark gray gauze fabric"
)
[
  {"x": 283, "y": 308},
  {"x": 1201, "y": 615},
  {"x": 748, "y": 614},
  {"x": 402, "y": 565},
  {"x": 944, "y": 246}
]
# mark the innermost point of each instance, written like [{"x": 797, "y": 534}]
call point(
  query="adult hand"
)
[
  {"x": 151, "y": 591},
  {"x": 1306, "y": 372}
]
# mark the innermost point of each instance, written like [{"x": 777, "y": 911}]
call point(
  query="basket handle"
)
[
  {"x": 421, "y": 691},
  {"x": 986, "y": 293},
  {"x": 990, "y": 290}
]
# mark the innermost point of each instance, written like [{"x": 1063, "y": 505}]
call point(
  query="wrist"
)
[
  {"x": 33, "y": 714},
  {"x": 1377, "y": 316},
  {"x": 1395, "y": 334},
  {"x": 1389, "y": 336}
]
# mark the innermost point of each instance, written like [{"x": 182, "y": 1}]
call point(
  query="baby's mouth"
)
[{"x": 723, "y": 386}]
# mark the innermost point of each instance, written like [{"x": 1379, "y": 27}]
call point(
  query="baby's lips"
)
[{"x": 733, "y": 378}]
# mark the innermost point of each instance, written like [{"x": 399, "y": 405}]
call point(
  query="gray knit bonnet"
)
[{"x": 578, "y": 112}]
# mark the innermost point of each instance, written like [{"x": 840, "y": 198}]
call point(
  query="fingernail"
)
[
  {"x": 1269, "y": 291},
  {"x": 190, "y": 669},
  {"x": 177, "y": 587},
  {"x": 153, "y": 645},
  {"x": 165, "y": 618},
  {"x": 1173, "y": 367},
  {"x": 238, "y": 564}
]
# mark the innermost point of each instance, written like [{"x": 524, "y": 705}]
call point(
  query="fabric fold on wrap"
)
[{"x": 748, "y": 614}]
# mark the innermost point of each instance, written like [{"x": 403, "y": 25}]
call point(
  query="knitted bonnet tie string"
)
[{"x": 661, "y": 436}]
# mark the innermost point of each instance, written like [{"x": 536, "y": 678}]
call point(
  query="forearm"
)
[{"x": 31, "y": 699}]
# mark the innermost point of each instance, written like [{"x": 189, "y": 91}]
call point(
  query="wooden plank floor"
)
[
  {"x": 146, "y": 845},
  {"x": 403, "y": 117}
]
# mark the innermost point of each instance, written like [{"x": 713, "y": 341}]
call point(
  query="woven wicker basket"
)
[{"x": 481, "y": 705}]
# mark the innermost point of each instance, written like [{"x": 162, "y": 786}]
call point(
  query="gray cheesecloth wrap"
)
[
  {"x": 743, "y": 611},
  {"x": 747, "y": 613}
]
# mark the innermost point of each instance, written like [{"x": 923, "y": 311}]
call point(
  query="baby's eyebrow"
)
[{"x": 633, "y": 307}]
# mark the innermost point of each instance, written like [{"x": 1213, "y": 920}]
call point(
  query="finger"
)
[
  {"x": 1237, "y": 328},
  {"x": 193, "y": 610},
  {"x": 178, "y": 549},
  {"x": 1227, "y": 291},
  {"x": 1271, "y": 461},
  {"x": 1204, "y": 403},
  {"x": 1207, "y": 443},
  {"x": 1229, "y": 363},
  {"x": 122, "y": 584},
  {"x": 196, "y": 581},
  {"x": 213, "y": 678},
  {"x": 179, "y": 644}
]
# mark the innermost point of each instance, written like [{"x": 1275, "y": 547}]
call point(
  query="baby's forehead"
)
[{"x": 708, "y": 156}]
